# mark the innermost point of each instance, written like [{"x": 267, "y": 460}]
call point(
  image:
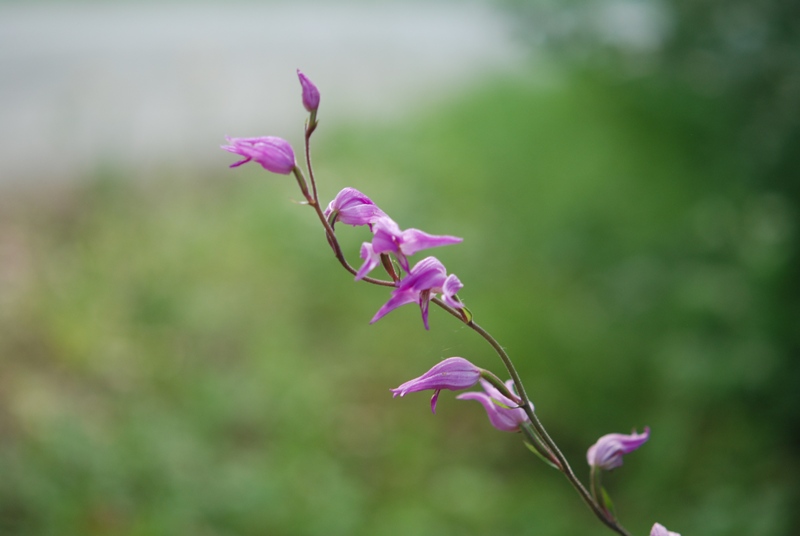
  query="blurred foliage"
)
[{"x": 184, "y": 355}]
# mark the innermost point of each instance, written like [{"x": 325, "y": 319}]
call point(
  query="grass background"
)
[{"x": 183, "y": 355}]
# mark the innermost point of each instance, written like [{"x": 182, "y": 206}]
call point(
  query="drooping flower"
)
[
  {"x": 660, "y": 530},
  {"x": 454, "y": 373},
  {"x": 607, "y": 452},
  {"x": 310, "y": 92},
  {"x": 353, "y": 208},
  {"x": 388, "y": 238},
  {"x": 504, "y": 413},
  {"x": 274, "y": 154},
  {"x": 427, "y": 278}
]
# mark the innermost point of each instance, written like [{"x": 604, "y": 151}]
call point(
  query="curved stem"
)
[
  {"x": 310, "y": 126},
  {"x": 537, "y": 424},
  {"x": 337, "y": 249}
]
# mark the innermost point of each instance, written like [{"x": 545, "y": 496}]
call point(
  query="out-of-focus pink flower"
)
[
  {"x": 353, "y": 208},
  {"x": 607, "y": 452},
  {"x": 503, "y": 413},
  {"x": 454, "y": 373},
  {"x": 660, "y": 530},
  {"x": 310, "y": 92},
  {"x": 274, "y": 154},
  {"x": 425, "y": 279}
]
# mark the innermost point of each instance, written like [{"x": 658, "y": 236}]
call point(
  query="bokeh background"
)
[{"x": 180, "y": 353}]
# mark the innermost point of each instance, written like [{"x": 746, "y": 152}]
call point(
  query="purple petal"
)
[
  {"x": 274, "y": 154},
  {"x": 500, "y": 397},
  {"x": 428, "y": 273},
  {"x": 434, "y": 399},
  {"x": 424, "y": 302},
  {"x": 504, "y": 419},
  {"x": 453, "y": 373},
  {"x": 450, "y": 288},
  {"x": 398, "y": 299},
  {"x": 353, "y": 208},
  {"x": 387, "y": 234},
  {"x": 371, "y": 260},
  {"x": 660, "y": 530},
  {"x": 607, "y": 452},
  {"x": 414, "y": 240},
  {"x": 426, "y": 277}
]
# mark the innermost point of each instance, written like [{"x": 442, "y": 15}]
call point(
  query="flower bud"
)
[{"x": 310, "y": 93}]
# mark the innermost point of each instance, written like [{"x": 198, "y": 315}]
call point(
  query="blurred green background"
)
[{"x": 182, "y": 354}]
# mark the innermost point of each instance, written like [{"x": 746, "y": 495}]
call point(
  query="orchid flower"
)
[
  {"x": 274, "y": 154},
  {"x": 504, "y": 413},
  {"x": 454, "y": 373},
  {"x": 427, "y": 278},
  {"x": 607, "y": 452},
  {"x": 390, "y": 239},
  {"x": 353, "y": 208}
]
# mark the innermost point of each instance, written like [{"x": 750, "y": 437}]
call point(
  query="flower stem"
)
[
  {"x": 537, "y": 424},
  {"x": 337, "y": 249},
  {"x": 310, "y": 126},
  {"x": 313, "y": 200}
]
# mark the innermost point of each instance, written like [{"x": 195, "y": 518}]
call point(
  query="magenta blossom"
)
[
  {"x": 504, "y": 413},
  {"x": 607, "y": 452},
  {"x": 390, "y": 239},
  {"x": 353, "y": 208},
  {"x": 660, "y": 530},
  {"x": 274, "y": 154},
  {"x": 425, "y": 279},
  {"x": 454, "y": 373},
  {"x": 310, "y": 92}
]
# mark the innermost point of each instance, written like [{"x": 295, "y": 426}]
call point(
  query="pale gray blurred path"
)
[{"x": 84, "y": 86}]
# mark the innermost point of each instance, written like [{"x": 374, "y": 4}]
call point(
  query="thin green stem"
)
[
  {"x": 310, "y": 126},
  {"x": 540, "y": 430},
  {"x": 537, "y": 424},
  {"x": 337, "y": 249}
]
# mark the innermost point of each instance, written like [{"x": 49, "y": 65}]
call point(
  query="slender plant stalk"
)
[{"x": 310, "y": 126}]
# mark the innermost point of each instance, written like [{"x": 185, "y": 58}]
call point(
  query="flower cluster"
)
[
  {"x": 506, "y": 404},
  {"x": 422, "y": 282}
]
